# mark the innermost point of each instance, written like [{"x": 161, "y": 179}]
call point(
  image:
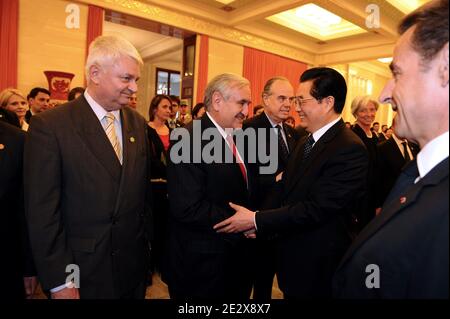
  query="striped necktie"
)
[{"x": 111, "y": 133}]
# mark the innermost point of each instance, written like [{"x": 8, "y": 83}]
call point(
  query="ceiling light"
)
[
  {"x": 225, "y": 1},
  {"x": 407, "y": 6},
  {"x": 385, "y": 60},
  {"x": 318, "y": 15}
]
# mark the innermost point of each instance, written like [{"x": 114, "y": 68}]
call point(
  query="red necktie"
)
[{"x": 235, "y": 154}]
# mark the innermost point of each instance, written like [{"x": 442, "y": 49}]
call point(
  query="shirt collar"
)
[
  {"x": 272, "y": 122},
  {"x": 99, "y": 111},
  {"x": 432, "y": 154},
  {"x": 320, "y": 132}
]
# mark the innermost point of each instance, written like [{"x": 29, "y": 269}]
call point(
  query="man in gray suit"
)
[
  {"x": 403, "y": 253},
  {"x": 86, "y": 184}
]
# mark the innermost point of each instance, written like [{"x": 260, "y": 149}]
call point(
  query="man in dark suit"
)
[
  {"x": 202, "y": 264},
  {"x": 392, "y": 158},
  {"x": 19, "y": 276},
  {"x": 323, "y": 185},
  {"x": 39, "y": 101},
  {"x": 403, "y": 253},
  {"x": 277, "y": 97},
  {"x": 86, "y": 184}
]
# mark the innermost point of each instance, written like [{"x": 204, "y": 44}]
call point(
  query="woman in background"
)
[
  {"x": 364, "y": 110},
  {"x": 13, "y": 100},
  {"x": 198, "y": 111},
  {"x": 159, "y": 137}
]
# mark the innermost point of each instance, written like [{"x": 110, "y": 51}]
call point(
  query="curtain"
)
[
  {"x": 9, "y": 25},
  {"x": 94, "y": 25},
  {"x": 260, "y": 66},
  {"x": 202, "y": 68}
]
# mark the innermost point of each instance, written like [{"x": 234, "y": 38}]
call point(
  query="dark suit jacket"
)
[
  {"x": 200, "y": 262},
  {"x": 391, "y": 162},
  {"x": 318, "y": 198},
  {"x": 408, "y": 241},
  {"x": 28, "y": 116},
  {"x": 14, "y": 244},
  {"x": 82, "y": 206},
  {"x": 267, "y": 184},
  {"x": 9, "y": 117}
]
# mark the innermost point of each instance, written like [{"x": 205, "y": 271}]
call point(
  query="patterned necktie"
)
[
  {"x": 282, "y": 147},
  {"x": 308, "y": 147},
  {"x": 405, "y": 152},
  {"x": 235, "y": 154},
  {"x": 111, "y": 133}
]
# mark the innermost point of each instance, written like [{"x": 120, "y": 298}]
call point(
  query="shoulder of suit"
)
[{"x": 11, "y": 134}]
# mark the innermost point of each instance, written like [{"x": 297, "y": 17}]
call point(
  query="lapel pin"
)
[
  {"x": 132, "y": 139},
  {"x": 2, "y": 146},
  {"x": 402, "y": 200}
]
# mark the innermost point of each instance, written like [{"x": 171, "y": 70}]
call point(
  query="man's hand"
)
[
  {"x": 242, "y": 221},
  {"x": 279, "y": 177},
  {"x": 66, "y": 293},
  {"x": 30, "y": 284}
]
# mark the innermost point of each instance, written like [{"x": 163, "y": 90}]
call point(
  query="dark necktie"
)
[
  {"x": 405, "y": 152},
  {"x": 282, "y": 147},
  {"x": 308, "y": 147}
]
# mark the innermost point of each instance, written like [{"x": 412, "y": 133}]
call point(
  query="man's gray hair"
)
[
  {"x": 108, "y": 49},
  {"x": 223, "y": 83}
]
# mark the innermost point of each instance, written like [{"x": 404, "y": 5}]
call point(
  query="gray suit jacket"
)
[{"x": 82, "y": 206}]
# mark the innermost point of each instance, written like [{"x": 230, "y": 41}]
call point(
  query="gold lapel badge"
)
[
  {"x": 2, "y": 147},
  {"x": 132, "y": 139}
]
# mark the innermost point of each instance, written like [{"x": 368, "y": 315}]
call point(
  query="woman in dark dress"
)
[
  {"x": 364, "y": 110},
  {"x": 159, "y": 137}
]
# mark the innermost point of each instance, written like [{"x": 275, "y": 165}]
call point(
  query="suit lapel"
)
[
  {"x": 91, "y": 132},
  {"x": 130, "y": 147},
  {"x": 401, "y": 197}
]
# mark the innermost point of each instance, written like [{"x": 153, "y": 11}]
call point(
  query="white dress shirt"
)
[
  {"x": 432, "y": 154},
  {"x": 320, "y": 132},
  {"x": 100, "y": 112}
]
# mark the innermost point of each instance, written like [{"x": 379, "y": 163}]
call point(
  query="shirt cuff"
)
[{"x": 66, "y": 285}]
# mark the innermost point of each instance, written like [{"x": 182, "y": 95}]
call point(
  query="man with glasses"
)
[
  {"x": 277, "y": 98},
  {"x": 322, "y": 187}
]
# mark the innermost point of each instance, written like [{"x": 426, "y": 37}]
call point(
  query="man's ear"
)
[
  {"x": 94, "y": 72},
  {"x": 330, "y": 102},
  {"x": 217, "y": 99},
  {"x": 443, "y": 66}
]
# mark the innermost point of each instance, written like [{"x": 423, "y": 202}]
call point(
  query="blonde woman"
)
[
  {"x": 13, "y": 100},
  {"x": 364, "y": 109}
]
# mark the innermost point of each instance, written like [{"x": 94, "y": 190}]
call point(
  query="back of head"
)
[
  {"x": 327, "y": 82},
  {"x": 106, "y": 50},
  {"x": 223, "y": 83},
  {"x": 73, "y": 93}
]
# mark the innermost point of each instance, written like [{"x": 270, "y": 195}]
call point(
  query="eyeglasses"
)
[{"x": 299, "y": 101}]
